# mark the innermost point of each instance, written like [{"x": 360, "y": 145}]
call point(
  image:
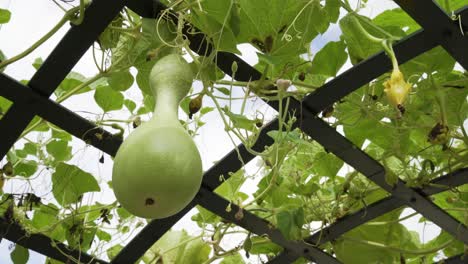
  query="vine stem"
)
[
  {"x": 348, "y": 8},
  {"x": 246, "y": 84},
  {"x": 63, "y": 98},
  {"x": 441, "y": 100},
  {"x": 49, "y": 34},
  {"x": 401, "y": 250},
  {"x": 82, "y": 11},
  {"x": 81, "y": 86},
  {"x": 393, "y": 221}
]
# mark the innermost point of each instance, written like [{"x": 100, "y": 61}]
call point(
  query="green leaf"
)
[
  {"x": 19, "y": 255},
  {"x": 4, "y": 106},
  {"x": 42, "y": 127},
  {"x": 262, "y": 245},
  {"x": 205, "y": 217},
  {"x": 37, "y": 63},
  {"x": 45, "y": 219},
  {"x": 223, "y": 90},
  {"x": 396, "y": 18},
  {"x": 108, "y": 99},
  {"x": 189, "y": 250},
  {"x": 240, "y": 121},
  {"x": 329, "y": 59},
  {"x": 436, "y": 59},
  {"x": 454, "y": 4},
  {"x": 332, "y": 7},
  {"x": 215, "y": 19},
  {"x": 290, "y": 223},
  {"x": 59, "y": 149},
  {"x": 123, "y": 214},
  {"x": 206, "y": 110},
  {"x": 60, "y": 134},
  {"x": 236, "y": 258},
  {"x": 70, "y": 182},
  {"x": 52, "y": 261},
  {"x": 359, "y": 46},
  {"x": 110, "y": 37},
  {"x": 327, "y": 164},
  {"x": 72, "y": 80},
  {"x": 2, "y": 58},
  {"x": 113, "y": 251},
  {"x": 395, "y": 234},
  {"x": 287, "y": 27},
  {"x": 25, "y": 168},
  {"x": 103, "y": 236},
  {"x": 230, "y": 188},
  {"x": 28, "y": 149},
  {"x": 207, "y": 70},
  {"x": 5, "y": 16},
  {"x": 130, "y": 105},
  {"x": 120, "y": 81},
  {"x": 391, "y": 178},
  {"x": 142, "y": 77}
]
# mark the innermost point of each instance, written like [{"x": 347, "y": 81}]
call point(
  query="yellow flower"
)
[{"x": 396, "y": 88}]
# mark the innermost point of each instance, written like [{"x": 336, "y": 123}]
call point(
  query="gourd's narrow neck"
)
[{"x": 166, "y": 108}]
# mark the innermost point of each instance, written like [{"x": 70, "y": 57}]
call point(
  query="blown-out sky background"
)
[{"x": 32, "y": 19}]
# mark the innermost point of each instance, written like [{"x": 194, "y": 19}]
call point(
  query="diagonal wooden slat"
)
[
  {"x": 441, "y": 26},
  {"x": 43, "y": 244},
  {"x": 57, "y": 65},
  {"x": 348, "y": 222}
]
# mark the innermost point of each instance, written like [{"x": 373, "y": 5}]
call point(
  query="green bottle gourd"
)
[{"x": 157, "y": 169}]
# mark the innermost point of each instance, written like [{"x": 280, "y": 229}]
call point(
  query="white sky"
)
[{"x": 32, "y": 19}]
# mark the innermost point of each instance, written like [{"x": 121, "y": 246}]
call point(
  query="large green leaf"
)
[
  {"x": 329, "y": 59},
  {"x": 113, "y": 251},
  {"x": 290, "y": 24},
  {"x": 28, "y": 149},
  {"x": 396, "y": 18},
  {"x": 108, "y": 99},
  {"x": 69, "y": 183},
  {"x": 110, "y": 37},
  {"x": 436, "y": 59},
  {"x": 219, "y": 20},
  {"x": 262, "y": 245},
  {"x": 120, "y": 81},
  {"x": 20, "y": 255},
  {"x": 45, "y": 221},
  {"x": 453, "y": 4},
  {"x": 190, "y": 249},
  {"x": 356, "y": 250},
  {"x": 230, "y": 188},
  {"x": 290, "y": 223},
  {"x": 359, "y": 46},
  {"x": 235, "y": 258},
  {"x": 204, "y": 217},
  {"x": 327, "y": 164},
  {"x": 25, "y": 168},
  {"x": 73, "y": 80},
  {"x": 5, "y": 16},
  {"x": 59, "y": 149}
]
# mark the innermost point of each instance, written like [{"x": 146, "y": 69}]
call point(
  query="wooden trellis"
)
[{"x": 437, "y": 28}]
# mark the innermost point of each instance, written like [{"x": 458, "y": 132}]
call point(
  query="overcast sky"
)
[{"x": 32, "y": 19}]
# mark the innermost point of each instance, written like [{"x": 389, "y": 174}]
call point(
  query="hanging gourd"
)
[{"x": 157, "y": 169}]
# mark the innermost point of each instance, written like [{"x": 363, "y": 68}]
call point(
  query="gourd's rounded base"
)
[{"x": 157, "y": 171}]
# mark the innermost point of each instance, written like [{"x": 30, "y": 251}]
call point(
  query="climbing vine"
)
[{"x": 411, "y": 119}]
